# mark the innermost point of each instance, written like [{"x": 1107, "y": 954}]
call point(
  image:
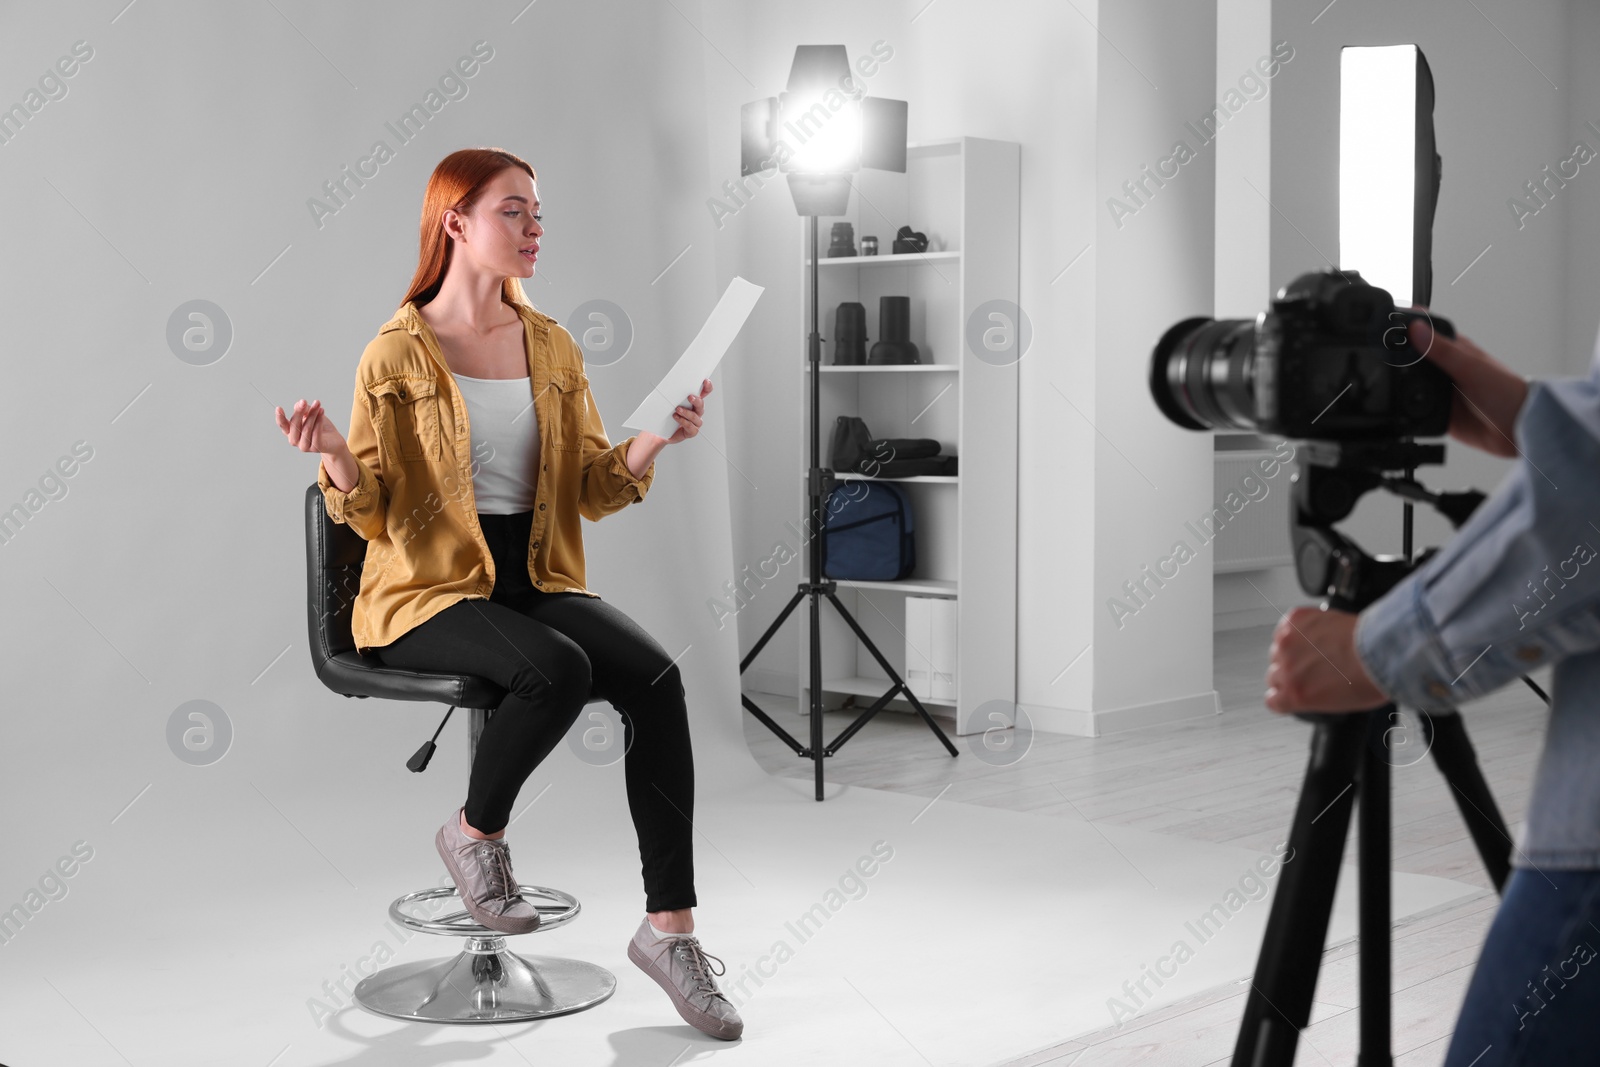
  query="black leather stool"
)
[{"x": 485, "y": 982}]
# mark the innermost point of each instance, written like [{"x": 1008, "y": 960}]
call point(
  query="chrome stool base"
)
[
  {"x": 479, "y": 987},
  {"x": 485, "y": 982}
]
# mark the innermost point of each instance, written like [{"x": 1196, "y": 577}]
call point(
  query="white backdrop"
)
[{"x": 177, "y": 163}]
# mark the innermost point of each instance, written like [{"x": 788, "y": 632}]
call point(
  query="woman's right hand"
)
[
  {"x": 310, "y": 430},
  {"x": 1488, "y": 394}
]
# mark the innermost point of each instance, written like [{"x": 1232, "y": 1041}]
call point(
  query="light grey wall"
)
[{"x": 1246, "y": 66}]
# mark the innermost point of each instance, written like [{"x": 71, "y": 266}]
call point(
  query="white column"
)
[{"x": 1156, "y": 162}]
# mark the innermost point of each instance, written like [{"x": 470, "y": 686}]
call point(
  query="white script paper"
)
[{"x": 654, "y": 413}]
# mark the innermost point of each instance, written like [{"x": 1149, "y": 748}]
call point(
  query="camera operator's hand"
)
[
  {"x": 1314, "y": 666},
  {"x": 1488, "y": 393}
]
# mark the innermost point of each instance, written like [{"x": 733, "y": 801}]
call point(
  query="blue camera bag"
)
[{"x": 868, "y": 532}]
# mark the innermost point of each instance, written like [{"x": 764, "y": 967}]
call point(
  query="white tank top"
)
[{"x": 505, "y": 474}]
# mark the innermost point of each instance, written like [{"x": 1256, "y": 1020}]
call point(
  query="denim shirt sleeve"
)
[{"x": 1519, "y": 585}]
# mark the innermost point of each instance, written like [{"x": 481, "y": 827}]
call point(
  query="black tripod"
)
[
  {"x": 1348, "y": 759},
  {"x": 820, "y": 485}
]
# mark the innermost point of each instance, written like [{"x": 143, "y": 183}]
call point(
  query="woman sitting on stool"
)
[{"x": 484, "y": 574}]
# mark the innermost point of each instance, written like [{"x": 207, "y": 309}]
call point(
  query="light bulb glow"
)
[{"x": 823, "y": 132}]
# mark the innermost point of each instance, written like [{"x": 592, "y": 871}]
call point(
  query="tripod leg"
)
[
  {"x": 1373, "y": 884},
  {"x": 750, "y": 705},
  {"x": 772, "y": 628},
  {"x": 1458, "y": 762},
  {"x": 1297, "y": 927},
  {"x": 816, "y": 676}
]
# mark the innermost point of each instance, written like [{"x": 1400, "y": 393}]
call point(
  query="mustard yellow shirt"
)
[{"x": 413, "y": 500}]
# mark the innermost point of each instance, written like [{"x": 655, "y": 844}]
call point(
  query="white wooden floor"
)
[{"x": 1227, "y": 779}]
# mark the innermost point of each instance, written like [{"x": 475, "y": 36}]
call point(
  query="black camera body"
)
[{"x": 1330, "y": 361}]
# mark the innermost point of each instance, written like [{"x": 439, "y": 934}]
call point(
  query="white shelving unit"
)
[{"x": 963, "y": 193}]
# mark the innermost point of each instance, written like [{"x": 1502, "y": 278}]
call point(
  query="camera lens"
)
[{"x": 1202, "y": 374}]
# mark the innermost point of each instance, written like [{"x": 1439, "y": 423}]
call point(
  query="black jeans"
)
[{"x": 553, "y": 652}]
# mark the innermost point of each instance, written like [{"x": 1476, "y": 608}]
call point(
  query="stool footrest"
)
[{"x": 555, "y": 908}]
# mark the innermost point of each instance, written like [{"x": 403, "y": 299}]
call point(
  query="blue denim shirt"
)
[{"x": 1516, "y": 588}]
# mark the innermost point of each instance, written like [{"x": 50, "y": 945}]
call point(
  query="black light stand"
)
[
  {"x": 839, "y": 130},
  {"x": 820, "y": 484}
]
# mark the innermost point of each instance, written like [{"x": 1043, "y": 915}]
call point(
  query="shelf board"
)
[
  {"x": 934, "y": 586},
  {"x": 904, "y": 259},
  {"x": 945, "y": 146},
  {"x": 892, "y": 368},
  {"x": 871, "y": 687},
  {"x": 853, "y": 476}
]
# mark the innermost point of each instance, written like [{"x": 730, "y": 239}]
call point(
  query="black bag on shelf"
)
[
  {"x": 855, "y": 451},
  {"x": 868, "y": 533}
]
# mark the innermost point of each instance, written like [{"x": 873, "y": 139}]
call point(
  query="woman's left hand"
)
[{"x": 689, "y": 421}]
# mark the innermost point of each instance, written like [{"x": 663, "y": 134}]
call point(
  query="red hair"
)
[{"x": 458, "y": 183}]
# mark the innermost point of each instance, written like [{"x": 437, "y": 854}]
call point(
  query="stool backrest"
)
[{"x": 335, "y": 556}]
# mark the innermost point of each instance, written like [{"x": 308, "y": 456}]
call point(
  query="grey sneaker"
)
[
  {"x": 678, "y": 965},
  {"x": 482, "y": 873}
]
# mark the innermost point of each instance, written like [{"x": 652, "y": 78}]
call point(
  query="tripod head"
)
[{"x": 1332, "y": 478}]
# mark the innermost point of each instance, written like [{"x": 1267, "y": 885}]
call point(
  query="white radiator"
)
[{"x": 1258, "y": 535}]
